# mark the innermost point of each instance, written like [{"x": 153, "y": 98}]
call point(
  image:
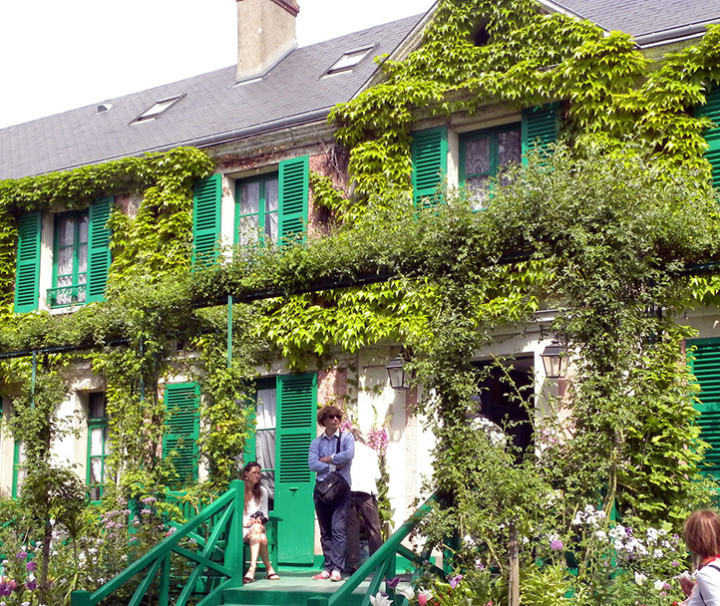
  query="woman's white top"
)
[
  {"x": 254, "y": 505},
  {"x": 707, "y": 589}
]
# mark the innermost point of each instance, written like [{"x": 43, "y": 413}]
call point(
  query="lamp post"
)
[
  {"x": 396, "y": 373},
  {"x": 555, "y": 361}
]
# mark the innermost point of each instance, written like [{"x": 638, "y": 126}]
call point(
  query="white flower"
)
[
  {"x": 408, "y": 592},
  {"x": 601, "y": 534},
  {"x": 469, "y": 541},
  {"x": 618, "y": 544},
  {"x": 658, "y": 553},
  {"x": 380, "y": 600},
  {"x": 640, "y": 578},
  {"x": 659, "y": 585},
  {"x": 618, "y": 532}
]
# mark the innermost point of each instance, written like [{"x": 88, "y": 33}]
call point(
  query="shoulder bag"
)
[{"x": 334, "y": 486}]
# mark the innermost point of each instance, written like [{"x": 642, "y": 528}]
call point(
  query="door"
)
[
  {"x": 285, "y": 426},
  {"x": 704, "y": 359}
]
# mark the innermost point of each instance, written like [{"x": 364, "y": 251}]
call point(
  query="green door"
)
[
  {"x": 704, "y": 357},
  {"x": 285, "y": 426},
  {"x": 294, "y": 482}
]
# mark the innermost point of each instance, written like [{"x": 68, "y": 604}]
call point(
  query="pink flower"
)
[
  {"x": 378, "y": 439},
  {"x": 556, "y": 544},
  {"x": 423, "y": 598}
]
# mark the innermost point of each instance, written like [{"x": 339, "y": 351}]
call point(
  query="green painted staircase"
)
[{"x": 202, "y": 564}]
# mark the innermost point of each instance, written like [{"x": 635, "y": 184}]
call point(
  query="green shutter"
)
[
  {"x": 294, "y": 482},
  {"x": 705, "y": 363},
  {"x": 183, "y": 429},
  {"x": 98, "y": 249},
  {"x": 429, "y": 164},
  {"x": 294, "y": 185},
  {"x": 539, "y": 128},
  {"x": 712, "y": 135},
  {"x": 27, "y": 276},
  {"x": 206, "y": 219}
]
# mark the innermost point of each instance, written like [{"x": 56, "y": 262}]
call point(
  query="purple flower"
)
[
  {"x": 455, "y": 581},
  {"x": 5, "y": 589},
  {"x": 12, "y": 583},
  {"x": 674, "y": 563},
  {"x": 31, "y": 585},
  {"x": 31, "y": 566},
  {"x": 21, "y": 555},
  {"x": 392, "y": 583},
  {"x": 556, "y": 545}
]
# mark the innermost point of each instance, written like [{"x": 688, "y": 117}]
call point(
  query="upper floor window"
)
[
  {"x": 483, "y": 155},
  {"x": 257, "y": 209},
  {"x": 267, "y": 208},
  {"x": 62, "y": 259},
  {"x": 70, "y": 260}
]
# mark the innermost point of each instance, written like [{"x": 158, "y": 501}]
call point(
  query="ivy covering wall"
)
[{"x": 449, "y": 292}]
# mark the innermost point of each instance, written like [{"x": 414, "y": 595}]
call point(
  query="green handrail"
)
[
  {"x": 382, "y": 564},
  {"x": 225, "y": 516}
]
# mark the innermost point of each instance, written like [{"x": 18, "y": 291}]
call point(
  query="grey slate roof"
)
[
  {"x": 641, "y": 18},
  {"x": 213, "y": 108}
]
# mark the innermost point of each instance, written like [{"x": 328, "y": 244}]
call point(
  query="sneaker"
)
[
  {"x": 323, "y": 575},
  {"x": 336, "y": 576}
]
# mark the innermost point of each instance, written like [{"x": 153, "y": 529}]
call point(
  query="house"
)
[{"x": 263, "y": 123}]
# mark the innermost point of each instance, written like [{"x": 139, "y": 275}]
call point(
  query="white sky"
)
[{"x": 57, "y": 55}]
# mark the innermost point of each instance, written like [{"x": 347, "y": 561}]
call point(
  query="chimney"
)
[{"x": 266, "y": 32}]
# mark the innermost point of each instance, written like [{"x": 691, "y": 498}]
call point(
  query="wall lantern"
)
[
  {"x": 555, "y": 361},
  {"x": 396, "y": 373}
]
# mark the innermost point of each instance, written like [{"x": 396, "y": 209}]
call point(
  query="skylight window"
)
[
  {"x": 159, "y": 107},
  {"x": 348, "y": 61}
]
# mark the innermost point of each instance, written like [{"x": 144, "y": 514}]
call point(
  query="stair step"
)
[{"x": 293, "y": 589}]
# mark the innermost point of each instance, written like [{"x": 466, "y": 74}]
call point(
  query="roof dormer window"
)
[
  {"x": 348, "y": 61},
  {"x": 158, "y": 108}
]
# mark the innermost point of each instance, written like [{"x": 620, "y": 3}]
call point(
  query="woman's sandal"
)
[
  {"x": 248, "y": 579},
  {"x": 273, "y": 577}
]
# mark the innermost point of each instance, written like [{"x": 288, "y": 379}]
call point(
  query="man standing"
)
[
  {"x": 332, "y": 451},
  {"x": 365, "y": 475}
]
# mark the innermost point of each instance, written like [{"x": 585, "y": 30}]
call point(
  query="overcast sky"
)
[{"x": 57, "y": 55}]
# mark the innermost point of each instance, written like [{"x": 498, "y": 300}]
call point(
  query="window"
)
[
  {"x": 273, "y": 207},
  {"x": 704, "y": 360},
  {"x": 98, "y": 448},
  {"x": 159, "y": 107},
  {"x": 80, "y": 261},
  {"x": 257, "y": 209},
  {"x": 183, "y": 430},
  {"x": 483, "y": 155},
  {"x": 348, "y": 61},
  {"x": 711, "y": 110},
  {"x": 70, "y": 260},
  {"x": 19, "y": 472}
]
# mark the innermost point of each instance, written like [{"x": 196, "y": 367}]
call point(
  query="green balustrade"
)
[{"x": 211, "y": 564}]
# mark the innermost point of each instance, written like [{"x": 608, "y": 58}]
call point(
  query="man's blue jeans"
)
[{"x": 332, "y": 520}]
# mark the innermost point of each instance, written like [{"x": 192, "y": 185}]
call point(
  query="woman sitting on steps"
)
[{"x": 254, "y": 517}]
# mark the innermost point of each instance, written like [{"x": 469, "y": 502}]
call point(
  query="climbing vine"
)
[{"x": 450, "y": 277}]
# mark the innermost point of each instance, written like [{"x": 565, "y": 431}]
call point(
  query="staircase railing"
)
[
  {"x": 383, "y": 564},
  {"x": 216, "y": 532}
]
